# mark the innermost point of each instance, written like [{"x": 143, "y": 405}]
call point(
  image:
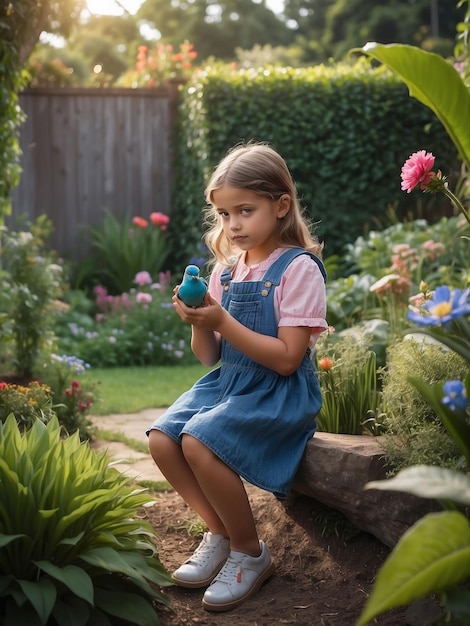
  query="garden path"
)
[{"x": 137, "y": 465}]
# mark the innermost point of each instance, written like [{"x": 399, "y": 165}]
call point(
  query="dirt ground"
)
[{"x": 324, "y": 568}]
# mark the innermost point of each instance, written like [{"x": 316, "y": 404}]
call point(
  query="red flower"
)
[
  {"x": 139, "y": 222},
  {"x": 75, "y": 384},
  {"x": 3, "y": 385},
  {"x": 417, "y": 170}
]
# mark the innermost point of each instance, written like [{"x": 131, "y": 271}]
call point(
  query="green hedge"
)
[{"x": 344, "y": 130}]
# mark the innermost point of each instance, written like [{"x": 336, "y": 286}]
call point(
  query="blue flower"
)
[
  {"x": 443, "y": 307},
  {"x": 455, "y": 395}
]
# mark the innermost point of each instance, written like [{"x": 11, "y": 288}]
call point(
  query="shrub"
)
[
  {"x": 72, "y": 549},
  {"x": 122, "y": 247},
  {"x": 415, "y": 435},
  {"x": 26, "y": 404},
  {"x": 135, "y": 328},
  {"x": 72, "y": 399},
  {"x": 348, "y": 379},
  {"x": 32, "y": 281},
  {"x": 323, "y": 119}
]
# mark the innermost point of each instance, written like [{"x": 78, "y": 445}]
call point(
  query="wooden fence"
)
[{"x": 87, "y": 150}]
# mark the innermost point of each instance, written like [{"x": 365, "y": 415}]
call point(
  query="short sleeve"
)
[{"x": 300, "y": 299}]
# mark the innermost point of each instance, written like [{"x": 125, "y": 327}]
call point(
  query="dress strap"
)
[{"x": 276, "y": 270}]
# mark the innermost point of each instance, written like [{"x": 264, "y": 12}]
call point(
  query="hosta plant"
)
[{"x": 72, "y": 548}]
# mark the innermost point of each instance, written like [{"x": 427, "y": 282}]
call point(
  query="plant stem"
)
[{"x": 453, "y": 198}]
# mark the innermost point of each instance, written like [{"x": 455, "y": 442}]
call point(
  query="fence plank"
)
[{"x": 87, "y": 150}]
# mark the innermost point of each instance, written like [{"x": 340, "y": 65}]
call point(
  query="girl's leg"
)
[
  {"x": 224, "y": 490},
  {"x": 169, "y": 457}
]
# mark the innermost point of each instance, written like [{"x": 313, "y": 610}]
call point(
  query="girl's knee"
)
[
  {"x": 160, "y": 445},
  {"x": 194, "y": 451}
]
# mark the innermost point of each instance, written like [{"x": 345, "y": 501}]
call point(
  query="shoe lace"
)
[
  {"x": 232, "y": 570},
  {"x": 203, "y": 553}
]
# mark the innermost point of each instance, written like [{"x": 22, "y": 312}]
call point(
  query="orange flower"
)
[
  {"x": 139, "y": 222},
  {"x": 325, "y": 363}
]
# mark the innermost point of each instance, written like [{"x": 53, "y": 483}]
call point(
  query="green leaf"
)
[
  {"x": 73, "y": 577},
  {"x": 42, "y": 595},
  {"x": 428, "y": 482},
  {"x": 432, "y": 556},
  {"x": 127, "y": 606},
  {"x": 6, "y": 539},
  {"x": 434, "y": 82}
]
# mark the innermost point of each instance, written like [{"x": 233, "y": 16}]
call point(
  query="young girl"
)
[{"x": 251, "y": 417}]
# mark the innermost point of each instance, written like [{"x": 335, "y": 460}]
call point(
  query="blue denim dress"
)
[{"x": 255, "y": 420}]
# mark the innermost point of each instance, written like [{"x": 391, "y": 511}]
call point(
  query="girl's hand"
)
[{"x": 209, "y": 315}]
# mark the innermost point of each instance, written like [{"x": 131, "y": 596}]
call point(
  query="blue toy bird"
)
[{"x": 193, "y": 287}]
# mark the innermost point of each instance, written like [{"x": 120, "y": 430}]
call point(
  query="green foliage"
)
[
  {"x": 121, "y": 247},
  {"x": 425, "y": 74},
  {"x": 411, "y": 250},
  {"x": 72, "y": 549},
  {"x": 340, "y": 129},
  {"x": 31, "y": 283},
  {"x": 347, "y": 372},
  {"x": 431, "y": 557},
  {"x": 135, "y": 328},
  {"x": 72, "y": 398},
  {"x": 415, "y": 434}
]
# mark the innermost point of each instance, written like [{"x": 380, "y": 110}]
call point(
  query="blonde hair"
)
[{"x": 259, "y": 168}]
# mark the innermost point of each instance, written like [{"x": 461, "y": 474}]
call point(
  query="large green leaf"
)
[
  {"x": 428, "y": 482},
  {"x": 75, "y": 578},
  {"x": 434, "y": 82},
  {"x": 127, "y": 606},
  {"x": 42, "y": 594},
  {"x": 432, "y": 556}
]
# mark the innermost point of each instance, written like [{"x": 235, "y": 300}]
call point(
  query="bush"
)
[
  {"x": 26, "y": 404},
  {"x": 415, "y": 434},
  {"x": 344, "y": 130},
  {"x": 347, "y": 372},
  {"x": 135, "y": 328},
  {"x": 72, "y": 549},
  {"x": 72, "y": 399},
  {"x": 31, "y": 282}
]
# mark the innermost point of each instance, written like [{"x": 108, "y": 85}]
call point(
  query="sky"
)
[{"x": 110, "y": 6}]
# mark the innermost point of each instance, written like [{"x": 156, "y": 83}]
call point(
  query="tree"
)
[{"x": 216, "y": 29}]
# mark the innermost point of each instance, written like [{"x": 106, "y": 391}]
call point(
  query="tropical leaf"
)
[
  {"x": 428, "y": 482},
  {"x": 432, "y": 556},
  {"x": 434, "y": 82}
]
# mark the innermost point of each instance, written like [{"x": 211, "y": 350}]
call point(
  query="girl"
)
[{"x": 251, "y": 417}]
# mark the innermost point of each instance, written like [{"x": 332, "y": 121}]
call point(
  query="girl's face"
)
[{"x": 250, "y": 221}]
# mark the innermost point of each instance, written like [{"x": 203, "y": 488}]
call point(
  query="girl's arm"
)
[
  {"x": 283, "y": 353},
  {"x": 206, "y": 345}
]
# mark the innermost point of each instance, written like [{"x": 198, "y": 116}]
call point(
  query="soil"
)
[{"x": 325, "y": 568}]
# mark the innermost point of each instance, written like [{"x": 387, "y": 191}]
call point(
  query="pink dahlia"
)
[{"x": 417, "y": 170}]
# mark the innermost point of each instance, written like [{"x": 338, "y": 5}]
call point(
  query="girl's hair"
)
[{"x": 259, "y": 168}]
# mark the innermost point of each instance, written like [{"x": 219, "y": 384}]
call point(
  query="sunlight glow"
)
[{"x": 110, "y": 7}]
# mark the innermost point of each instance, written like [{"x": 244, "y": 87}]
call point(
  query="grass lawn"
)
[{"x": 132, "y": 389}]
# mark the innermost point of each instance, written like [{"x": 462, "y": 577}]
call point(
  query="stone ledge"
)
[{"x": 334, "y": 470}]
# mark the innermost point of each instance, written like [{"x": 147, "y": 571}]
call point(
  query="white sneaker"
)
[
  {"x": 240, "y": 577},
  {"x": 201, "y": 568}
]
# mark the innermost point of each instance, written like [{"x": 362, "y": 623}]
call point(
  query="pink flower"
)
[
  {"x": 143, "y": 278},
  {"x": 160, "y": 219},
  {"x": 417, "y": 170},
  {"x": 143, "y": 298}
]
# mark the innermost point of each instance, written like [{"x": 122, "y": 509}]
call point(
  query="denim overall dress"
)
[{"x": 254, "y": 419}]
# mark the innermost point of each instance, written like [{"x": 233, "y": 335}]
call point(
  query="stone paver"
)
[{"x": 136, "y": 465}]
